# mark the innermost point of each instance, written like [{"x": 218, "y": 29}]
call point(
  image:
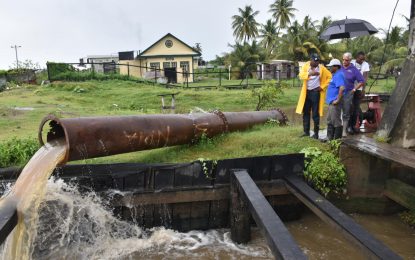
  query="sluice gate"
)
[{"x": 215, "y": 194}]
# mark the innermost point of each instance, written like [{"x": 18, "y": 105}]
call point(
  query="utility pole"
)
[{"x": 15, "y": 49}]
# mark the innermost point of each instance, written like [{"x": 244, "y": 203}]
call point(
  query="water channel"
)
[{"x": 57, "y": 221}]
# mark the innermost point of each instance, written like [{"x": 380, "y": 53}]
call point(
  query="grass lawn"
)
[{"x": 22, "y": 108}]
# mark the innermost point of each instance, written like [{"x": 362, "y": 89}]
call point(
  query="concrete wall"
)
[{"x": 398, "y": 118}]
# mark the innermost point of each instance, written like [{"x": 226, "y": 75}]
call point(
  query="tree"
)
[
  {"x": 198, "y": 47},
  {"x": 244, "y": 25},
  {"x": 244, "y": 58},
  {"x": 282, "y": 11},
  {"x": 268, "y": 33}
]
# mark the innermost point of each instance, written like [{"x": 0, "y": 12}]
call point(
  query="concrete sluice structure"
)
[{"x": 185, "y": 196}]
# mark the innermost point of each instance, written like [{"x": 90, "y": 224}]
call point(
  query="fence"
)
[{"x": 170, "y": 77}]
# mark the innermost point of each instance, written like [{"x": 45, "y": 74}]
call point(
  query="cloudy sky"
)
[{"x": 66, "y": 30}]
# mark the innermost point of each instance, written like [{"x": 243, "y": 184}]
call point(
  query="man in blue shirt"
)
[
  {"x": 351, "y": 75},
  {"x": 333, "y": 100}
]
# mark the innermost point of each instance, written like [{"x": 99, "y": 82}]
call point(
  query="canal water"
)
[{"x": 57, "y": 221}]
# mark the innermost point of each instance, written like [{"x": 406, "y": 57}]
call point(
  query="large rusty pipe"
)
[{"x": 89, "y": 137}]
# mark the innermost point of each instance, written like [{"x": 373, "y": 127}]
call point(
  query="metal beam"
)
[
  {"x": 8, "y": 218},
  {"x": 361, "y": 238},
  {"x": 280, "y": 241}
]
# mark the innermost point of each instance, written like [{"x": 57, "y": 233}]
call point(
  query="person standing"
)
[
  {"x": 351, "y": 75},
  {"x": 364, "y": 68},
  {"x": 315, "y": 79},
  {"x": 333, "y": 100}
]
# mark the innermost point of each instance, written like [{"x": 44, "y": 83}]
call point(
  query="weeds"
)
[
  {"x": 324, "y": 171},
  {"x": 17, "y": 152}
]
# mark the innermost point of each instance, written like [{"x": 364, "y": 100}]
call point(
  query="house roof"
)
[{"x": 142, "y": 54}]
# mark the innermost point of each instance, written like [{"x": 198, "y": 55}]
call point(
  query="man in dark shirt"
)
[{"x": 351, "y": 75}]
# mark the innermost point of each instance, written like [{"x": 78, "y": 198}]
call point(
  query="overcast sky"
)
[{"x": 66, "y": 30}]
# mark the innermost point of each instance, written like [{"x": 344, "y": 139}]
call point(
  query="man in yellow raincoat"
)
[{"x": 315, "y": 79}]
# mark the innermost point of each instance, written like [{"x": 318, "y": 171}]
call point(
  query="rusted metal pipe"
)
[{"x": 89, "y": 137}]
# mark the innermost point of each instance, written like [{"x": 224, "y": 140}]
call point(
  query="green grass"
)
[{"x": 117, "y": 97}]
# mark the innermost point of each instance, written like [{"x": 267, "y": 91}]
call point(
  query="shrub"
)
[
  {"x": 17, "y": 152},
  {"x": 408, "y": 217},
  {"x": 268, "y": 94},
  {"x": 324, "y": 171}
]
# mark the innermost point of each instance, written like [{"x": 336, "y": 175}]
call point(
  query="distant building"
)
[
  {"x": 168, "y": 58},
  {"x": 276, "y": 69},
  {"x": 103, "y": 63}
]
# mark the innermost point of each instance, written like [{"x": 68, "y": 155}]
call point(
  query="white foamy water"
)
[
  {"x": 26, "y": 194},
  {"x": 74, "y": 225}
]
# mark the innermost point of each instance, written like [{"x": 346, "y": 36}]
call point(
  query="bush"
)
[
  {"x": 408, "y": 217},
  {"x": 324, "y": 171},
  {"x": 17, "y": 152},
  {"x": 268, "y": 94}
]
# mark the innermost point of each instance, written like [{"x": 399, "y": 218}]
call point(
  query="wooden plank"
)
[
  {"x": 163, "y": 215},
  {"x": 359, "y": 237},
  {"x": 219, "y": 214},
  {"x": 199, "y": 215},
  {"x": 401, "y": 193},
  {"x": 163, "y": 178},
  {"x": 286, "y": 164},
  {"x": 194, "y": 194},
  {"x": 280, "y": 241},
  {"x": 181, "y": 216}
]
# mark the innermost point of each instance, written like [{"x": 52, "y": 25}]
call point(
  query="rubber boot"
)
[
  {"x": 330, "y": 132},
  {"x": 338, "y": 132},
  {"x": 316, "y": 129},
  {"x": 345, "y": 125}
]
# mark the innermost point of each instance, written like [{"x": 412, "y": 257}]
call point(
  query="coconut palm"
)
[
  {"x": 244, "y": 58},
  {"x": 291, "y": 42},
  {"x": 268, "y": 34},
  {"x": 282, "y": 11},
  {"x": 244, "y": 25}
]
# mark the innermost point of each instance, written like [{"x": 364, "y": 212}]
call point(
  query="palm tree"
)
[
  {"x": 244, "y": 25},
  {"x": 291, "y": 42},
  {"x": 282, "y": 11},
  {"x": 244, "y": 58},
  {"x": 268, "y": 33}
]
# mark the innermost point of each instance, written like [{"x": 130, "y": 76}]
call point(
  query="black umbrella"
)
[{"x": 348, "y": 28}]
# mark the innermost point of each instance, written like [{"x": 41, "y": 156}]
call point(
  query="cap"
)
[
  {"x": 314, "y": 57},
  {"x": 334, "y": 62}
]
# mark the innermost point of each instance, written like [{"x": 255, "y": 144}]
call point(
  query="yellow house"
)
[{"x": 168, "y": 59}]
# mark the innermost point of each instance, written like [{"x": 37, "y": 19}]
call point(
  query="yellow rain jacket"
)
[{"x": 325, "y": 77}]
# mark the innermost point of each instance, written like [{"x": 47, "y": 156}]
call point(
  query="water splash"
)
[
  {"x": 27, "y": 194},
  {"x": 75, "y": 225}
]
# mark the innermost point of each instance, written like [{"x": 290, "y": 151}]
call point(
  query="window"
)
[
  {"x": 166, "y": 65},
  {"x": 174, "y": 64},
  {"x": 154, "y": 65},
  {"x": 184, "y": 65}
]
